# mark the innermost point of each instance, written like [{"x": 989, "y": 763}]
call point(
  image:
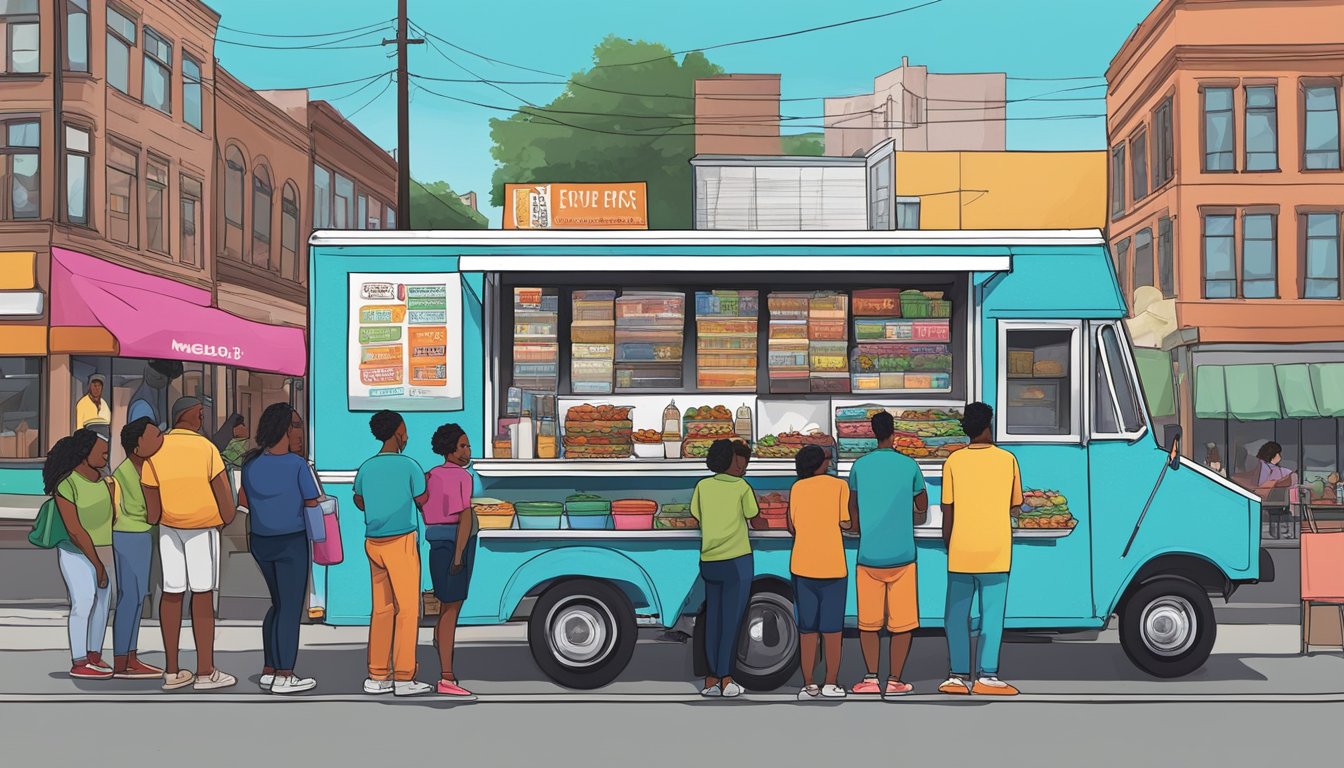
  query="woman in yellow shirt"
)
[{"x": 818, "y": 510}]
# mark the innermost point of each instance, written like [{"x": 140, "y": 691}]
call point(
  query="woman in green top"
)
[
  {"x": 723, "y": 504},
  {"x": 72, "y": 474},
  {"x": 133, "y": 548}
]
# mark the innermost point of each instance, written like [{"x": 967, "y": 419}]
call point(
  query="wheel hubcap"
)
[
  {"x": 580, "y": 633},
  {"x": 1169, "y": 626},
  {"x": 769, "y": 641}
]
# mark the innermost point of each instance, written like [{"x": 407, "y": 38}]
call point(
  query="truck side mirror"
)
[{"x": 1172, "y": 439}]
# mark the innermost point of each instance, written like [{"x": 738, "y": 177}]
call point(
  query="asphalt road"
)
[{"x": 694, "y": 734}]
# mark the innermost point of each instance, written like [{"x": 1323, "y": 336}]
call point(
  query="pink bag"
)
[{"x": 329, "y": 551}]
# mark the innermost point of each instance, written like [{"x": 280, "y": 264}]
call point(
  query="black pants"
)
[
  {"x": 727, "y": 592},
  {"x": 284, "y": 562}
]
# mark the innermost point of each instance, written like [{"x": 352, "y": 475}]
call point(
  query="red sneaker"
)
[
  {"x": 450, "y": 688},
  {"x": 83, "y": 671},
  {"x": 138, "y": 670},
  {"x": 95, "y": 660},
  {"x": 866, "y": 687}
]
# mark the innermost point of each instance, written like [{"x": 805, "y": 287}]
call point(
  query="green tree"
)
[
  {"x": 436, "y": 206},
  {"x": 804, "y": 144},
  {"x": 628, "y": 118}
]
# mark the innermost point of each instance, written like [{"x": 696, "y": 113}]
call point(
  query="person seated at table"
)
[{"x": 1272, "y": 474}]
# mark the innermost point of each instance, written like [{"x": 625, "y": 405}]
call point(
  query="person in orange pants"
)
[{"x": 395, "y": 486}]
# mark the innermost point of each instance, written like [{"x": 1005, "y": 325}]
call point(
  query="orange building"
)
[{"x": 1225, "y": 202}]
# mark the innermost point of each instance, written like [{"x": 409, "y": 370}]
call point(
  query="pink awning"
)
[{"x": 154, "y": 317}]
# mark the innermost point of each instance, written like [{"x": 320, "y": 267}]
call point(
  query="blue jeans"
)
[
  {"x": 992, "y": 589},
  {"x": 284, "y": 562},
  {"x": 727, "y": 591},
  {"x": 133, "y": 553},
  {"x": 87, "y": 624}
]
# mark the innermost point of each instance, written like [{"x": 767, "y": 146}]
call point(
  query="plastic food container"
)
[
  {"x": 494, "y": 522},
  {"x": 633, "y": 514},
  {"x": 539, "y": 515},
  {"x": 584, "y": 522},
  {"x": 649, "y": 450}
]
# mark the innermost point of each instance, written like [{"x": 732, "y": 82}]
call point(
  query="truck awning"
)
[{"x": 761, "y": 263}]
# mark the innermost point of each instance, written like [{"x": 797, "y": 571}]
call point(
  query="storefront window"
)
[
  {"x": 20, "y": 407},
  {"x": 1320, "y": 454}
]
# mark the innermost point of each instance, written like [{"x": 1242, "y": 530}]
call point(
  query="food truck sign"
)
[
  {"x": 576, "y": 206},
  {"x": 405, "y": 345}
]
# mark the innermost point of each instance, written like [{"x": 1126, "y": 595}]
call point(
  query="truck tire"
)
[
  {"x": 582, "y": 633},
  {"x": 767, "y": 650},
  {"x": 1167, "y": 627}
]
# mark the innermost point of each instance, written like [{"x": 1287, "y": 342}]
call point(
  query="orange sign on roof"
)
[{"x": 576, "y": 206}]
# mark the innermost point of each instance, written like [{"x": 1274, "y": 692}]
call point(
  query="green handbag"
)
[{"x": 48, "y": 529}]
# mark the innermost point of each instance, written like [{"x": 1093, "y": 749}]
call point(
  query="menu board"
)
[{"x": 405, "y": 347}]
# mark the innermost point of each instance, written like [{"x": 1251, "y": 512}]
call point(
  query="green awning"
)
[
  {"x": 1295, "y": 389},
  {"x": 1327, "y": 381},
  {"x": 1210, "y": 392},
  {"x": 1155, "y": 375},
  {"x": 1241, "y": 392}
]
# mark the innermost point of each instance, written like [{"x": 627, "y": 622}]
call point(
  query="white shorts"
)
[{"x": 190, "y": 559}]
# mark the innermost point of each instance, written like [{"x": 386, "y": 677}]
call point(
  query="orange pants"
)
[{"x": 394, "y": 563}]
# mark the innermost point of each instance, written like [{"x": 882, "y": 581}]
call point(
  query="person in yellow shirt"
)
[
  {"x": 982, "y": 492},
  {"x": 92, "y": 410},
  {"x": 818, "y": 511}
]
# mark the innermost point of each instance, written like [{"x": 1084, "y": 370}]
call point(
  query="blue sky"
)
[{"x": 451, "y": 141}]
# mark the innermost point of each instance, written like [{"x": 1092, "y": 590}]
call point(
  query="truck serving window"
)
[{"x": 1039, "y": 394}]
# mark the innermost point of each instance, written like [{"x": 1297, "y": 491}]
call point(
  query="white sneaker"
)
[
  {"x": 266, "y": 682},
  {"x": 214, "y": 681},
  {"x": 411, "y": 688},
  {"x": 377, "y": 687},
  {"x": 809, "y": 693},
  {"x": 712, "y": 692},
  {"x": 832, "y": 692},
  {"x": 733, "y": 690},
  {"x": 293, "y": 684}
]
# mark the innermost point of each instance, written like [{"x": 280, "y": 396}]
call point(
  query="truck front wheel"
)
[
  {"x": 582, "y": 633},
  {"x": 1167, "y": 627}
]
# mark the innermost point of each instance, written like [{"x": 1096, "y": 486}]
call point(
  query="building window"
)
[
  {"x": 191, "y": 92},
  {"x": 77, "y": 35},
  {"x": 19, "y": 25},
  {"x": 1258, "y": 262},
  {"x": 1143, "y": 259},
  {"x": 120, "y": 40},
  {"x": 392, "y": 217},
  {"x": 345, "y": 203},
  {"x": 375, "y": 220},
  {"x": 20, "y": 407},
  {"x": 879, "y": 195},
  {"x": 1163, "y": 163},
  {"x": 235, "y": 175},
  {"x": 1322, "y": 256},
  {"x": 1262, "y": 128},
  {"x": 190, "y": 217},
  {"x": 20, "y": 156},
  {"x": 261, "y": 217},
  {"x": 1118, "y": 181},
  {"x": 321, "y": 198},
  {"x": 1166, "y": 268},
  {"x": 1321, "y": 134},
  {"x": 1122, "y": 267},
  {"x": 156, "y": 206},
  {"x": 76, "y": 175},
  {"x": 289, "y": 232},
  {"x": 1138, "y": 160},
  {"x": 122, "y": 217},
  {"x": 362, "y": 213},
  {"x": 1220, "y": 259},
  {"x": 907, "y": 213},
  {"x": 1219, "y": 138},
  {"x": 158, "y": 74}
]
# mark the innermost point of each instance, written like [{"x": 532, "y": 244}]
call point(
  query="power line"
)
[
  {"x": 1059, "y": 79},
  {"x": 328, "y": 46},
  {"x": 313, "y": 35},
  {"x": 360, "y": 88},
  {"x": 379, "y": 95},
  {"x": 328, "y": 85},
  {"x": 482, "y": 56},
  {"x": 462, "y": 67}
]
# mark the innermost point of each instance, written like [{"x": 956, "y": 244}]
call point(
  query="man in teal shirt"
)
[
  {"x": 888, "y": 500},
  {"x": 389, "y": 489}
]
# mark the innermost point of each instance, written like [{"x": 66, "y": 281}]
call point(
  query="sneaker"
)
[
  {"x": 215, "y": 680},
  {"x": 866, "y": 687},
  {"x": 993, "y": 686},
  {"x": 138, "y": 670},
  {"x": 410, "y": 688},
  {"x": 451, "y": 688},
  {"x": 293, "y": 684},
  {"x": 897, "y": 688},
  {"x": 95, "y": 660},
  {"x": 377, "y": 687},
  {"x": 955, "y": 686},
  {"x": 712, "y": 692},
  {"x": 809, "y": 693},
  {"x": 832, "y": 692},
  {"x": 179, "y": 679},
  {"x": 733, "y": 690},
  {"x": 265, "y": 682},
  {"x": 84, "y": 671}
]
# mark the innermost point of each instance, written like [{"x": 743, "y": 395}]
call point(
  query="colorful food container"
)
[
  {"x": 539, "y": 515},
  {"x": 584, "y": 511},
  {"x": 675, "y": 517},
  {"x": 492, "y": 514},
  {"x": 633, "y": 514}
]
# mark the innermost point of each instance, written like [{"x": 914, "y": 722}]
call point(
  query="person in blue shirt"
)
[
  {"x": 276, "y": 486},
  {"x": 390, "y": 489}
]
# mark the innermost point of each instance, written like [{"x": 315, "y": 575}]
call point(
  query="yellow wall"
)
[{"x": 1005, "y": 190}]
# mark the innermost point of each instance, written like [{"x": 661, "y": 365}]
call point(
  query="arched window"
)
[
  {"x": 289, "y": 232},
  {"x": 235, "y": 173},
  {"x": 261, "y": 217}
]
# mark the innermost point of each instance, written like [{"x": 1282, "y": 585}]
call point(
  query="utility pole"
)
[{"x": 403, "y": 118}]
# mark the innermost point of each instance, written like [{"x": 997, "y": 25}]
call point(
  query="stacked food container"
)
[
  {"x": 633, "y": 514},
  {"x": 650, "y": 331},
  {"x": 904, "y": 342},
  {"x": 726, "y": 325},
  {"x": 536, "y": 349},
  {"x": 788, "y": 345},
  {"x": 855, "y": 430},
  {"x": 585, "y": 511},
  {"x": 675, "y": 517},
  {"x": 598, "y": 432},
  {"x": 539, "y": 515},
  {"x": 774, "y": 511},
  {"x": 592, "y": 337},
  {"x": 702, "y": 427},
  {"x": 828, "y": 343}
]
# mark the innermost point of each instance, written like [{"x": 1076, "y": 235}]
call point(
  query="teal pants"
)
[{"x": 992, "y": 590}]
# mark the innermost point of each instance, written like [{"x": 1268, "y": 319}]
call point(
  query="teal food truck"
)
[{"x": 591, "y": 370}]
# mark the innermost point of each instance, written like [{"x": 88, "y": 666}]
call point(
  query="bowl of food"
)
[{"x": 648, "y": 444}]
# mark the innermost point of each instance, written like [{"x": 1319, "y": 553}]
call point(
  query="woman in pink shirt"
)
[{"x": 448, "y": 529}]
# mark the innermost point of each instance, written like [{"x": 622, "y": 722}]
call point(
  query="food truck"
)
[{"x": 592, "y": 370}]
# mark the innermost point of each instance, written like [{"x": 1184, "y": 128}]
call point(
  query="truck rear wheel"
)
[
  {"x": 767, "y": 650},
  {"x": 1167, "y": 627},
  {"x": 582, "y": 633}
]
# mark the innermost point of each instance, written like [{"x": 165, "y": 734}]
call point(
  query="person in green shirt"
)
[
  {"x": 722, "y": 504},
  {"x": 72, "y": 475},
  {"x": 132, "y": 549}
]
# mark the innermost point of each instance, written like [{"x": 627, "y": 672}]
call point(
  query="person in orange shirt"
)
[
  {"x": 982, "y": 492},
  {"x": 818, "y": 510}
]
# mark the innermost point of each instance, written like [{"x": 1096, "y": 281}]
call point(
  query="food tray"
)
[{"x": 879, "y": 302}]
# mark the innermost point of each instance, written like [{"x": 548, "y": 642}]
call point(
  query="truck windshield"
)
[{"x": 1126, "y": 393}]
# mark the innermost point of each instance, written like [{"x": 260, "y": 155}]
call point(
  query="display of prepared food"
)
[
  {"x": 877, "y": 302},
  {"x": 598, "y": 432},
  {"x": 1048, "y": 369},
  {"x": 1021, "y": 362},
  {"x": 484, "y": 507},
  {"x": 930, "y": 433},
  {"x": 786, "y": 445},
  {"x": 1045, "y": 509},
  {"x": 774, "y": 508}
]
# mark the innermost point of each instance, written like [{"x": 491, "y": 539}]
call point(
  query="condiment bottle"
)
[
  {"x": 546, "y": 444},
  {"x": 742, "y": 424},
  {"x": 525, "y": 445},
  {"x": 672, "y": 431}
]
